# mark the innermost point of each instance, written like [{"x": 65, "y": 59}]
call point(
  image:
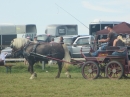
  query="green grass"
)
[{"x": 18, "y": 84}]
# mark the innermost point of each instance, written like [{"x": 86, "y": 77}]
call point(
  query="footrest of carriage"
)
[
  {"x": 102, "y": 51},
  {"x": 115, "y": 56}
]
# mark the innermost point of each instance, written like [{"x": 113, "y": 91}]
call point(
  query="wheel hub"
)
[
  {"x": 90, "y": 70},
  {"x": 114, "y": 70}
]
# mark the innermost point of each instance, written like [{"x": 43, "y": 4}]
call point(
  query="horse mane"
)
[{"x": 20, "y": 42}]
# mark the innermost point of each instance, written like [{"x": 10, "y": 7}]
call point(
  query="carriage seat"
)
[
  {"x": 108, "y": 51},
  {"x": 118, "y": 49}
]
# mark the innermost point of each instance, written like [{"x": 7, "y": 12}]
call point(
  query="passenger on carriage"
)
[
  {"x": 121, "y": 43},
  {"x": 112, "y": 35}
]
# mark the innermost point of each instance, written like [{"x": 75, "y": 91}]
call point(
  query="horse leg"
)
[
  {"x": 33, "y": 75},
  {"x": 28, "y": 68},
  {"x": 60, "y": 69},
  {"x": 66, "y": 67},
  {"x": 67, "y": 74}
]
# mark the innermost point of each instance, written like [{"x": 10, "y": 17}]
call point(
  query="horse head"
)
[{"x": 18, "y": 43}]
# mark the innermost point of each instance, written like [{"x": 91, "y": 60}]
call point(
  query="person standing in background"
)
[
  {"x": 61, "y": 40},
  {"x": 35, "y": 39}
]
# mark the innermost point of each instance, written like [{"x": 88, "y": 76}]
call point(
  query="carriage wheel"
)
[
  {"x": 90, "y": 70},
  {"x": 114, "y": 70}
]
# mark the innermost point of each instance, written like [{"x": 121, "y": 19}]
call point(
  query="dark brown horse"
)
[{"x": 34, "y": 52}]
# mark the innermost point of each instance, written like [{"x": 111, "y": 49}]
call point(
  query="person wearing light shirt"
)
[{"x": 2, "y": 58}]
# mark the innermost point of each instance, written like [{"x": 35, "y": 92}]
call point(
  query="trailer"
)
[
  {"x": 98, "y": 25},
  {"x": 10, "y": 31}
]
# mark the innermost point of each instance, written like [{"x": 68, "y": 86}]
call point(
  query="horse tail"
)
[{"x": 67, "y": 57}]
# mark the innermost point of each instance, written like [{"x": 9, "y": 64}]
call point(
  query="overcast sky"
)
[{"x": 80, "y": 12}]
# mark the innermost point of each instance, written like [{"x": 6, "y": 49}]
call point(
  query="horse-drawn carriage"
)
[{"x": 113, "y": 67}]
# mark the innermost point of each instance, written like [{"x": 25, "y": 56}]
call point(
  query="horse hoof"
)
[
  {"x": 34, "y": 75},
  {"x": 31, "y": 77},
  {"x": 69, "y": 76}
]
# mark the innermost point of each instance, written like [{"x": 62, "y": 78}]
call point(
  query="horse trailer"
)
[
  {"x": 10, "y": 31},
  {"x": 98, "y": 25},
  {"x": 61, "y": 29}
]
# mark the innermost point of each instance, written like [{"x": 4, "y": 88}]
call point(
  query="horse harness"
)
[
  {"x": 35, "y": 46},
  {"x": 33, "y": 50}
]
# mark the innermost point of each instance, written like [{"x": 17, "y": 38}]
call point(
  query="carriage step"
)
[{"x": 115, "y": 56}]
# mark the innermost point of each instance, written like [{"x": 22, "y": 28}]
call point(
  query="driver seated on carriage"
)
[{"x": 112, "y": 35}]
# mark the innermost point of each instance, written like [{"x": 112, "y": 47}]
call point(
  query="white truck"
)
[{"x": 76, "y": 42}]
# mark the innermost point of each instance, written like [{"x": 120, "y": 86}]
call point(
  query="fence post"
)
[{"x": 43, "y": 65}]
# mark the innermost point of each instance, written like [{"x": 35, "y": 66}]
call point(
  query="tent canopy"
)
[{"x": 123, "y": 28}]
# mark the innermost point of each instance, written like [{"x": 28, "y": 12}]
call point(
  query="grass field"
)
[{"x": 18, "y": 84}]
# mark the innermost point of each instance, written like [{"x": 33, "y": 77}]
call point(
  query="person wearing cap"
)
[
  {"x": 35, "y": 39},
  {"x": 112, "y": 35}
]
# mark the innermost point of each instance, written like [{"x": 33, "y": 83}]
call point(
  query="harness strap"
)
[
  {"x": 26, "y": 45},
  {"x": 34, "y": 47},
  {"x": 25, "y": 53}
]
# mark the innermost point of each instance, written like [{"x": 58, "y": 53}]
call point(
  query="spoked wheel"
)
[
  {"x": 90, "y": 70},
  {"x": 114, "y": 70}
]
